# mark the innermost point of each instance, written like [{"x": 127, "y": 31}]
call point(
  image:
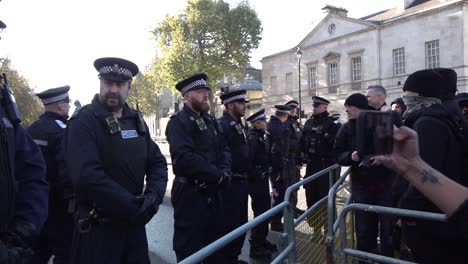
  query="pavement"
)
[{"x": 161, "y": 228}]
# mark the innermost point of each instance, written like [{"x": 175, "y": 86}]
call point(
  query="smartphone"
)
[{"x": 374, "y": 131}]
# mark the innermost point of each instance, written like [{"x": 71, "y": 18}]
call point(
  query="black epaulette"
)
[
  {"x": 175, "y": 114},
  {"x": 78, "y": 110}
]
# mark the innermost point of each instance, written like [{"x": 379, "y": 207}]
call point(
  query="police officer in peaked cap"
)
[
  {"x": 316, "y": 152},
  {"x": 277, "y": 127},
  {"x": 47, "y": 132},
  {"x": 119, "y": 174},
  {"x": 201, "y": 162},
  {"x": 235, "y": 198},
  {"x": 259, "y": 187}
]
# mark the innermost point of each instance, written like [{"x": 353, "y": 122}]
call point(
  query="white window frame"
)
[
  {"x": 399, "y": 61},
  {"x": 332, "y": 73},
  {"x": 313, "y": 76},
  {"x": 356, "y": 69},
  {"x": 432, "y": 54}
]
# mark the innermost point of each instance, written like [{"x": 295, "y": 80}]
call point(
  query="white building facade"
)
[{"x": 343, "y": 55}]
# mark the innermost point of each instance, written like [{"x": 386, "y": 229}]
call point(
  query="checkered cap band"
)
[
  {"x": 293, "y": 104},
  {"x": 262, "y": 116},
  {"x": 282, "y": 111},
  {"x": 54, "y": 99},
  {"x": 234, "y": 98},
  {"x": 117, "y": 70},
  {"x": 192, "y": 85}
]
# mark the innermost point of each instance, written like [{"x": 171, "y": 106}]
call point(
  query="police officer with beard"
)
[
  {"x": 235, "y": 197},
  {"x": 201, "y": 162},
  {"x": 294, "y": 173},
  {"x": 118, "y": 173},
  {"x": 48, "y": 132},
  {"x": 316, "y": 151},
  {"x": 279, "y": 132},
  {"x": 259, "y": 187}
]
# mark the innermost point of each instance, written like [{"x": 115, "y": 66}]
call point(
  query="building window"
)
[
  {"x": 274, "y": 85},
  {"x": 332, "y": 73},
  {"x": 432, "y": 54},
  {"x": 399, "y": 61},
  {"x": 313, "y": 77},
  {"x": 289, "y": 77},
  {"x": 356, "y": 73}
]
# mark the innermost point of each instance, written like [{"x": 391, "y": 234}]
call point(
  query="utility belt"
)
[
  {"x": 197, "y": 184},
  {"x": 88, "y": 216},
  {"x": 239, "y": 176}
]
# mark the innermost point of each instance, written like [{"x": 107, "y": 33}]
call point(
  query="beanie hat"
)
[
  {"x": 449, "y": 83},
  {"x": 358, "y": 100},
  {"x": 426, "y": 83}
]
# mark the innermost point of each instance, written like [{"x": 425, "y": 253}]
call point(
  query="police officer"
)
[
  {"x": 235, "y": 198},
  {"x": 316, "y": 148},
  {"x": 259, "y": 188},
  {"x": 293, "y": 170},
  {"x": 48, "y": 132},
  {"x": 462, "y": 100},
  {"x": 202, "y": 166},
  {"x": 23, "y": 186},
  {"x": 279, "y": 159},
  {"x": 110, "y": 156}
]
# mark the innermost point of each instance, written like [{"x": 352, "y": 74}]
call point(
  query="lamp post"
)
[
  {"x": 158, "y": 133},
  {"x": 299, "y": 56}
]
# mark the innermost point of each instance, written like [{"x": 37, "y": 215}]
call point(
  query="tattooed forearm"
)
[{"x": 428, "y": 176}]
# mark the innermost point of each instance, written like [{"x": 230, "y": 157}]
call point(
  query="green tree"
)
[
  {"x": 28, "y": 104},
  {"x": 208, "y": 36}
]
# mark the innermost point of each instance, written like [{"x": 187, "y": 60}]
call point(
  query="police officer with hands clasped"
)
[
  {"x": 235, "y": 197},
  {"x": 259, "y": 187},
  {"x": 201, "y": 162},
  {"x": 23, "y": 186},
  {"x": 118, "y": 173},
  {"x": 47, "y": 132}
]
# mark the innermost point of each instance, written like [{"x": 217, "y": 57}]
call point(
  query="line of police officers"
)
[{"x": 106, "y": 177}]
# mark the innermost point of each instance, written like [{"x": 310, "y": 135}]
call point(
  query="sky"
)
[{"x": 55, "y": 42}]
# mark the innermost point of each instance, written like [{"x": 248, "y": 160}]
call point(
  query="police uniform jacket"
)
[
  {"x": 238, "y": 142},
  {"x": 318, "y": 137},
  {"x": 279, "y": 143},
  {"x": 261, "y": 149},
  {"x": 48, "y": 132},
  {"x": 294, "y": 131},
  {"x": 198, "y": 148},
  {"x": 31, "y": 185},
  {"x": 108, "y": 159}
]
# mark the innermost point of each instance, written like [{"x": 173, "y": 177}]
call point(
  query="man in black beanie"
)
[
  {"x": 462, "y": 100},
  {"x": 369, "y": 184},
  {"x": 440, "y": 145},
  {"x": 398, "y": 106}
]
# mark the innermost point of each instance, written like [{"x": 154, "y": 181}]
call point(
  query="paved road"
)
[{"x": 161, "y": 228}]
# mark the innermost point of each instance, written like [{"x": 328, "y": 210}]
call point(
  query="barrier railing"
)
[{"x": 345, "y": 251}]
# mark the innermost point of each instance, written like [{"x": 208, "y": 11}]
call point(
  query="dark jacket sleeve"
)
[
  {"x": 343, "y": 148},
  {"x": 277, "y": 146},
  {"x": 433, "y": 138},
  {"x": 90, "y": 181},
  {"x": 32, "y": 188},
  {"x": 156, "y": 170},
  {"x": 184, "y": 156}
]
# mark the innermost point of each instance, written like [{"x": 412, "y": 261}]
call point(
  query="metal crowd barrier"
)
[
  {"x": 345, "y": 251},
  {"x": 288, "y": 249}
]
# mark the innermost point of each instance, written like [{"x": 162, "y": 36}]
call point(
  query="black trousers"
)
[
  {"x": 108, "y": 243},
  {"x": 259, "y": 190},
  {"x": 198, "y": 220},
  {"x": 318, "y": 188},
  {"x": 235, "y": 208}
]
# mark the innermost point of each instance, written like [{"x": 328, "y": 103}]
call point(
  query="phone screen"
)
[{"x": 374, "y": 133}]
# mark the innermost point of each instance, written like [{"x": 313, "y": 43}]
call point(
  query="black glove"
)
[
  {"x": 277, "y": 175},
  {"x": 16, "y": 244},
  {"x": 266, "y": 173},
  {"x": 148, "y": 208},
  {"x": 225, "y": 180}
]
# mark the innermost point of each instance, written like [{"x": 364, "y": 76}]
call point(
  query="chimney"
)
[{"x": 335, "y": 10}]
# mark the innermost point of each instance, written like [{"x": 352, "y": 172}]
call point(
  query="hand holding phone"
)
[{"x": 374, "y": 132}]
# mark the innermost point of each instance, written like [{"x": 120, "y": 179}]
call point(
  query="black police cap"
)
[
  {"x": 194, "y": 82},
  {"x": 234, "y": 96},
  {"x": 293, "y": 103},
  {"x": 115, "y": 69},
  {"x": 259, "y": 115},
  {"x": 283, "y": 108},
  {"x": 316, "y": 100},
  {"x": 54, "y": 95}
]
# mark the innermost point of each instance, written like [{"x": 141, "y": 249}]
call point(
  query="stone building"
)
[{"x": 344, "y": 55}]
